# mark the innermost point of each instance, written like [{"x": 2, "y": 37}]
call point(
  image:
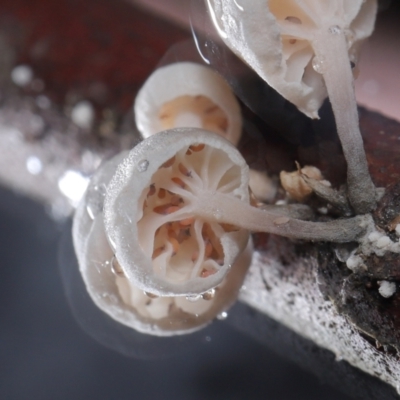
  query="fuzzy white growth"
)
[
  {"x": 383, "y": 242},
  {"x": 186, "y": 94},
  {"x": 376, "y": 242},
  {"x": 354, "y": 262},
  {"x": 387, "y": 289}
]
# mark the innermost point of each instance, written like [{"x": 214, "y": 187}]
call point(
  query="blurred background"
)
[{"x": 99, "y": 52}]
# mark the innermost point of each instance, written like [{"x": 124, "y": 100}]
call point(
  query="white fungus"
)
[
  {"x": 22, "y": 75},
  {"x": 386, "y": 288},
  {"x": 188, "y": 95},
  {"x": 303, "y": 49},
  {"x": 114, "y": 293}
]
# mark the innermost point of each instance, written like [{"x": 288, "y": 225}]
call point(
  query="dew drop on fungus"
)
[
  {"x": 116, "y": 268},
  {"x": 208, "y": 295},
  {"x": 281, "y": 221},
  {"x": 318, "y": 64},
  {"x": 143, "y": 165}
]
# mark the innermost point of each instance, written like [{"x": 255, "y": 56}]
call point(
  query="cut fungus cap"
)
[
  {"x": 186, "y": 94},
  {"x": 151, "y": 212},
  {"x": 275, "y": 37},
  {"x": 117, "y": 296}
]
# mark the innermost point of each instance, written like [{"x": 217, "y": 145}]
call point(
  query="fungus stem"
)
[
  {"x": 334, "y": 64},
  {"x": 230, "y": 210}
]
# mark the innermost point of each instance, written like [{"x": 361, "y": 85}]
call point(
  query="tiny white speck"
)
[
  {"x": 281, "y": 202},
  {"x": 323, "y": 210},
  {"x": 34, "y": 165},
  {"x": 22, "y": 75},
  {"x": 83, "y": 114},
  {"x": 386, "y": 288},
  {"x": 383, "y": 242}
]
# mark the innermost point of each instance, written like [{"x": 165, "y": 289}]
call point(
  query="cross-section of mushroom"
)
[
  {"x": 305, "y": 49},
  {"x": 186, "y": 94}
]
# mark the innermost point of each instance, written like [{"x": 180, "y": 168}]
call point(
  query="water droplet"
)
[
  {"x": 143, "y": 165},
  {"x": 209, "y": 295},
  {"x": 281, "y": 221},
  {"x": 318, "y": 63},
  {"x": 194, "y": 298},
  {"x": 116, "y": 267},
  {"x": 95, "y": 200},
  {"x": 223, "y": 315},
  {"x": 217, "y": 214},
  {"x": 335, "y": 30}
]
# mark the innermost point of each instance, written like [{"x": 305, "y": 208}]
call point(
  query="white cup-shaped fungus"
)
[
  {"x": 163, "y": 243},
  {"x": 116, "y": 295},
  {"x": 305, "y": 50},
  {"x": 187, "y": 94},
  {"x": 165, "y": 224}
]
